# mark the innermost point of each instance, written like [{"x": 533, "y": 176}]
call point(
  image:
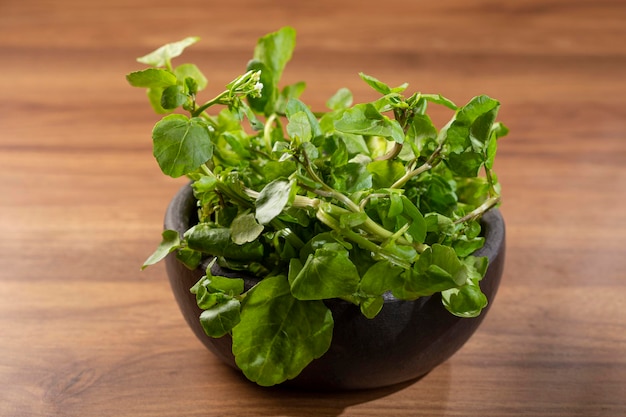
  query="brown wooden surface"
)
[{"x": 84, "y": 333}]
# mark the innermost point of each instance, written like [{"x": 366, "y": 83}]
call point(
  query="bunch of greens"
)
[{"x": 351, "y": 203}]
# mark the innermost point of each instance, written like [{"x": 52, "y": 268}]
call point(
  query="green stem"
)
[
  {"x": 207, "y": 171},
  {"x": 331, "y": 211},
  {"x": 364, "y": 243},
  {"x": 236, "y": 197},
  {"x": 328, "y": 214},
  {"x": 480, "y": 210},
  {"x": 404, "y": 117},
  {"x": 395, "y": 151},
  {"x": 429, "y": 164},
  {"x": 375, "y": 230},
  {"x": 333, "y": 193},
  {"x": 410, "y": 174},
  {"x": 288, "y": 234},
  {"x": 489, "y": 176},
  {"x": 216, "y": 100},
  {"x": 369, "y": 226},
  {"x": 267, "y": 132},
  {"x": 367, "y": 199}
]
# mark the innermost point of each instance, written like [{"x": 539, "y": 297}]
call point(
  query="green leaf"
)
[
  {"x": 217, "y": 241},
  {"x": 310, "y": 150},
  {"x": 342, "y": 99},
  {"x": 295, "y": 106},
  {"x": 237, "y": 145},
  {"x": 481, "y": 128},
  {"x": 380, "y": 86},
  {"x": 365, "y": 119},
  {"x": 319, "y": 241},
  {"x": 466, "y": 164},
  {"x": 271, "y": 55},
  {"x": 299, "y": 127},
  {"x": 207, "y": 299},
  {"x": 215, "y": 284},
  {"x": 422, "y": 128},
  {"x": 423, "y": 134},
  {"x": 396, "y": 205},
  {"x": 204, "y": 188},
  {"x": 154, "y": 97},
  {"x": 376, "y": 145},
  {"x": 295, "y": 266},
  {"x": 255, "y": 123},
  {"x": 191, "y": 86},
  {"x": 189, "y": 257},
  {"x": 151, "y": 78},
  {"x": 438, "y": 195},
  {"x": 375, "y": 84},
  {"x": 288, "y": 93},
  {"x": 379, "y": 278},
  {"x": 437, "y": 269},
  {"x": 297, "y": 216},
  {"x": 471, "y": 124},
  {"x": 279, "y": 169},
  {"x": 439, "y": 99},
  {"x": 371, "y": 306},
  {"x": 278, "y": 335},
  {"x": 499, "y": 130},
  {"x": 404, "y": 253},
  {"x": 220, "y": 319},
  {"x": 355, "y": 144},
  {"x": 444, "y": 258},
  {"x": 173, "y": 96},
  {"x": 328, "y": 273},
  {"x": 476, "y": 107},
  {"x": 351, "y": 177},
  {"x": 417, "y": 229},
  {"x": 275, "y": 50},
  {"x": 306, "y": 181},
  {"x": 439, "y": 223},
  {"x": 212, "y": 291},
  {"x": 351, "y": 220},
  {"x": 465, "y": 246},
  {"x": 272, "y": 200},
  {"x": 191, "y": 71},
  {"x": 477, "y": 266},
  {"x": 163, "y": 55},
  {"x": 169, "y": 243},
  {"x": 244, "y": 229},
  {"x": 181, "y": 144},
  {"x": 385, "y": 172},
  {"x": 467, "y": 301},
  {"x": 339, "y": 155},
  {"x": 225, "y": 285}
]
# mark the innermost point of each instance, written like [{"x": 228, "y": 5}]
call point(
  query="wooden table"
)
[{"x": 84, "y": 333}]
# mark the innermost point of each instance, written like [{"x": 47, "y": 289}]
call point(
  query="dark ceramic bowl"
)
[{"x": 404, "y": 341}]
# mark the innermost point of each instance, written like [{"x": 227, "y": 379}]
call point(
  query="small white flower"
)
[{"x": 258, "y": 87}]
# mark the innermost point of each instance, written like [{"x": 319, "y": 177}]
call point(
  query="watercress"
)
[{"x": 352, "y": 202}]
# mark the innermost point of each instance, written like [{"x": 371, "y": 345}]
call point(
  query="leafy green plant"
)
[{"x": 351, "y": 203}]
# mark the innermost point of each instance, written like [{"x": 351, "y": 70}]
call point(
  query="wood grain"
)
[{"x": 84, "y": 333}]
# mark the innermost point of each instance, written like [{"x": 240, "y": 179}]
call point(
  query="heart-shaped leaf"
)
[
  {"x": 278, "y": 335},
  {"x": 181, "y": 144}
]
